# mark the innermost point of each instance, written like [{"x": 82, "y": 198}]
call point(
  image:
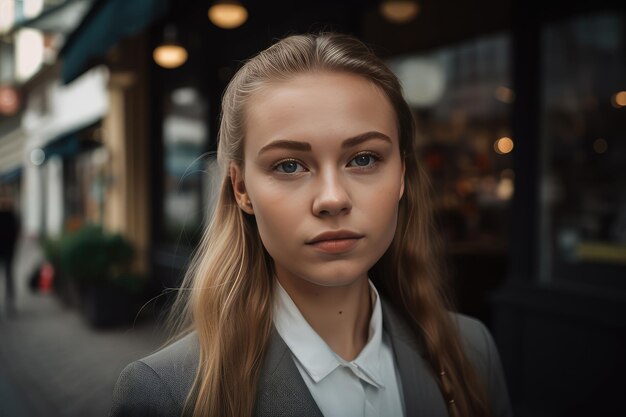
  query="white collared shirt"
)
[{"x": 367, "y": 386}]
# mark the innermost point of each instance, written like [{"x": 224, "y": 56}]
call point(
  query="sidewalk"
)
[{"x": 51, "y": 362}]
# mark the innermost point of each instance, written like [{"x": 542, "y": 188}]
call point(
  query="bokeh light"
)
[
  {"x": 504, "y": 95},
  {"x": 503, "y": 145},
  {"x": 228, "y": 14},
  {"x": 170, "y": 56},
  {"x": 399, "y": 11},
  {"x": 600, "y": 145}
]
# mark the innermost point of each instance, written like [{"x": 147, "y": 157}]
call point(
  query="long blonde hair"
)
[{"x": 230, "y": 281}]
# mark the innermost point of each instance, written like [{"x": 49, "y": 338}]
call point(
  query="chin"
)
[
  {"x": 332, "y": 283},
  {"x": 335, "y": 280}
]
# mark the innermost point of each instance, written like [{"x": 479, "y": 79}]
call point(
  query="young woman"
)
[{"x": 315, "y": 290}]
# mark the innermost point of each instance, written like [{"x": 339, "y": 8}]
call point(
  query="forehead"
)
[{"x": 318, "y": 107}]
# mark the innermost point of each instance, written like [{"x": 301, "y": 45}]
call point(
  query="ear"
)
[
  {"x": 239, "y": 187},
  {"x": 402, "y": 180}
]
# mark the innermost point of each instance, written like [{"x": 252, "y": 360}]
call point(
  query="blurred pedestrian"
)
[
  {"x": 315, "y": 290},
  {"x": 9, "y": 231}
]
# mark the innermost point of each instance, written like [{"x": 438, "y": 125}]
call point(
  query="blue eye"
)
[
  {"x": 364, "y": 160},
  {"x": 287, "y": 167}
]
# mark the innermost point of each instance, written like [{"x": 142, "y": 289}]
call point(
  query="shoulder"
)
[
  {"x": 481, "y": 350},
  {"x": 476, "y": 339},
  {"x": 157, "y": 385}
]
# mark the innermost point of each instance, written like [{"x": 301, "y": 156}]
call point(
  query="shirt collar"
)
[{"x": 312, "y": 352}]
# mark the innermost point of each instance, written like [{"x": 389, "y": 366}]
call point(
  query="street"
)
[{"x": 51, "y": 362}]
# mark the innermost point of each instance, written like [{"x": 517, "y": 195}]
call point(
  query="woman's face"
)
[{"x": 321, "y": 156}]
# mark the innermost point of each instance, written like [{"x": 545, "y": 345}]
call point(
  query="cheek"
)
[
  {"x": 387, "y": 209},
  {"x": 274, "y": 220},
  {"x": 278, "y": 214},
  {"x": 382, "y": 209},
  {"x": 383, "y": 196}
]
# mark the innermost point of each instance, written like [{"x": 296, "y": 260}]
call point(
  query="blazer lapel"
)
[
  {"x": 421, "y": 393},
  {"x": 281, "y": 390}
]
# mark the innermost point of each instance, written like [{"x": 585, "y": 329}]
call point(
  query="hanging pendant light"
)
[
  {"x": 228, "y": 14},
  {"x": 399, "y": 11},
  {"x": 170, "y": 54}
]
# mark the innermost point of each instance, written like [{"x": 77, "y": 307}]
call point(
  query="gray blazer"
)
[{"x": 158, "y": 384}]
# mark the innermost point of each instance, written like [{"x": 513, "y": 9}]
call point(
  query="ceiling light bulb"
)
[
  {"x": 399, "y": 11},
  {"x": 228, "y": 14},
  {"x": 170, "y": 55}
]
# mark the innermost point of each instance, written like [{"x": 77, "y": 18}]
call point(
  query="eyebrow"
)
[{"x": 305, "y": 146}]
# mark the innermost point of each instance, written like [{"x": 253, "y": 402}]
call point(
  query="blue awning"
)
[
  {"x": 66, "y": 145},
  {"x": 69, "y": 143},
  {"x": 105, "y": 24},
  {"x": 11, "y": 176}
]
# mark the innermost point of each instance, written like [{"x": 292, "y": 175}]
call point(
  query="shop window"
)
[
  {"x": 584, "y": 151},
  {"x": 85, "y": 177},
  {"x": 185, "y": 140},
  {"x": 461, "y": 96}
]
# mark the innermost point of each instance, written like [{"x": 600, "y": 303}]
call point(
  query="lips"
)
[
  {"x": 334, "y": 235},
  {"x": 335, "y": 242}
]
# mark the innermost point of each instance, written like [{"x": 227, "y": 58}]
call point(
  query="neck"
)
[{"x": 339, "y": 315}]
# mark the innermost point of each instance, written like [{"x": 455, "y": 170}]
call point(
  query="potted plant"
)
[
  {"x": 99, "y": 263},
  {"x": 65, "y": 288}
]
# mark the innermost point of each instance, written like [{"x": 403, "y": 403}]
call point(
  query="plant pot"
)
[
  {"x": 106, "y": 306},
  {"x": 67, "y": 290}
]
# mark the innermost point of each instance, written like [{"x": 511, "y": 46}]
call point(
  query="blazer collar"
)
[
  {"x": 422, "y": 396},
  {"x": 283, "y": 392}
]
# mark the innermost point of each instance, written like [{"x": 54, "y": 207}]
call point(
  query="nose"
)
[{"x": 331, "y": 196}]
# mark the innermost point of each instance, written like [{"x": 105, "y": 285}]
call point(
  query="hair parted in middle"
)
[{"x": 227, "y": 292}]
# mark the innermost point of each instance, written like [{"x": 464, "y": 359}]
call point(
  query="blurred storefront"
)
[
  {"x": 461, "y": 96},
  {"x": 59, "y": 122},
  {"x": 12, "y": 137},
  {"x": 12, "y": 140},
  {"x": 30, "y": 33},
  {"x": 520, "y": 108},
  {"x": 561, "y": 316},
  {"x": 70, "y": 145}
]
